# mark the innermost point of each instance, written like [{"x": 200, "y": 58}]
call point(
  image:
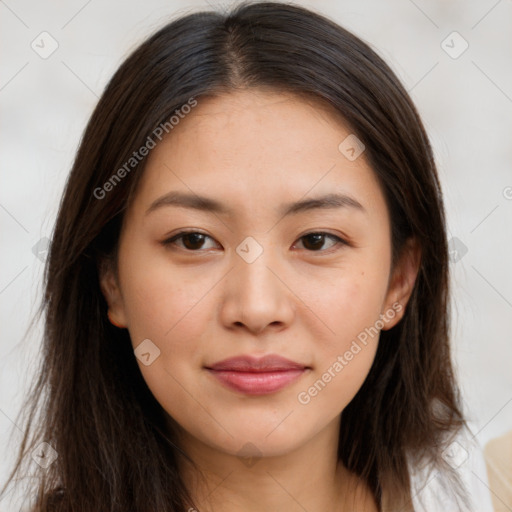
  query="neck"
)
[{"x": 307, "y": 478}]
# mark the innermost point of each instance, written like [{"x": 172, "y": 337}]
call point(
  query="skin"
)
[{"x": 254, "y": 150}]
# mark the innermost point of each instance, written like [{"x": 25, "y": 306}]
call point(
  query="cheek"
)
[
  {"x": 333, "y": 386},
  {"x": 165, "y": 305},
  {"x": 350, "y": 307},
  {"x": 347, "y": 300},
  {"x": 161, "y": 299}
]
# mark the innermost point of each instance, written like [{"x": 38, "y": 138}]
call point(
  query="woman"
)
[{"x": 247, "y": 288}]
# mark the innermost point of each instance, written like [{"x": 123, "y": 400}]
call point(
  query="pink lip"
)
[{"x": 257, "y": 376}]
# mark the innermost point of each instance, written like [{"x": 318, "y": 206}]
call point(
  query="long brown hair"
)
[{"x": 89, "y": 398}]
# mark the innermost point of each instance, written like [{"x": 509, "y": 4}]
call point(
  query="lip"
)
[{"x": 257, "y": 376}]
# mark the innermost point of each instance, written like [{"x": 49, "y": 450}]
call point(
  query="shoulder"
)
[{"x": 432, "y": 490}]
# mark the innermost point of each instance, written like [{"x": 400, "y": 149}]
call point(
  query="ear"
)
[
  {"x": 401, "y": 283},
  {"x": 111, "y": 291}
]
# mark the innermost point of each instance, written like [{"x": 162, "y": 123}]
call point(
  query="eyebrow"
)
[{"x": 207, "y": 204}]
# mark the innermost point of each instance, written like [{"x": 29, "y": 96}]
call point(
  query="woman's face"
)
[{"x": 310, "y": 283}]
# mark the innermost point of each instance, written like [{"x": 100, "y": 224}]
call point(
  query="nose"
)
[{"x": 256, "y": 296}]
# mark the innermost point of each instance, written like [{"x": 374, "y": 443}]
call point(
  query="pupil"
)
[
  {"x": 196, "y": 239},
  {"x": 316, "y": 239}
]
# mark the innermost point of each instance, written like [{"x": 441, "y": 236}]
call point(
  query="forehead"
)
[
  {"x": 253, "y": 146},
  {"x": 248, "y": 118}
]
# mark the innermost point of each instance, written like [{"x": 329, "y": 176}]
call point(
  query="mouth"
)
[{"x": 257, "y": 376}]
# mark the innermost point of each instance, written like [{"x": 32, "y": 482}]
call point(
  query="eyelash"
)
[{"x": 181, "y": 234}]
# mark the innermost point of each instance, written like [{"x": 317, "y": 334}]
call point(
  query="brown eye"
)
[
  {"x": 190, "y": 240},
  {"x": 315, "y": 241},
  {"x": 195, "y": 241}
]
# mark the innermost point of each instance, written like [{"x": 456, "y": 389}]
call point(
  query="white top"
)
[{"x": 429, "y": 489}]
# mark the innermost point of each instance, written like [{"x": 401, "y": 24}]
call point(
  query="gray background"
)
[{"x": 465, "y": 102}]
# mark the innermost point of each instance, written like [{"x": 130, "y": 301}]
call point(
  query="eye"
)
[
  {"x": 194, "y": 241},
  {"x": 191, "y": 240},
  {"x": 315, "y": 241}
]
